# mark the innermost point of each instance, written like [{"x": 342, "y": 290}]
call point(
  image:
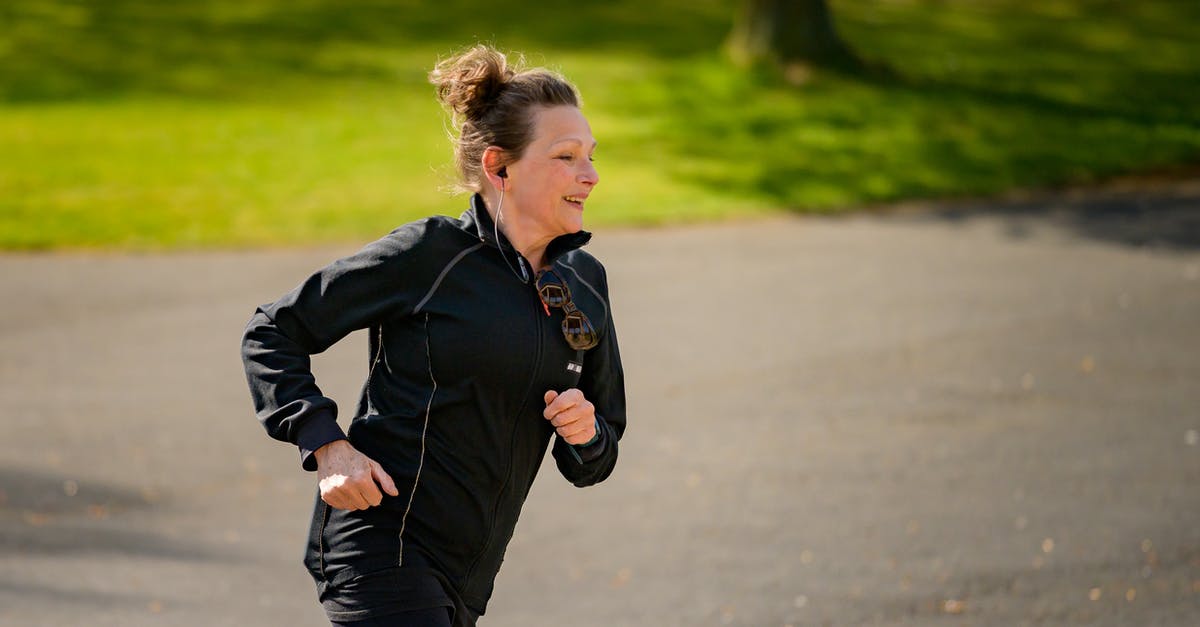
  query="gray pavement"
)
[{"x": 954, "y": 414}]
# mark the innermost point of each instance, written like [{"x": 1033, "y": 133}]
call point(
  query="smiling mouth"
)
[{"x": 575, "y": 200}]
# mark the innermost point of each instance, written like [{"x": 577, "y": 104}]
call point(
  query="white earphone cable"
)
[{"x": 524, "y": 276}]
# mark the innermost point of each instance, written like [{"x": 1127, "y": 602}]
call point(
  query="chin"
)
[{"x": 573, "y": 224}]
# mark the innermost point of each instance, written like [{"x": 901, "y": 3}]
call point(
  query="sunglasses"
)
[{"x": 576, "y": 327}]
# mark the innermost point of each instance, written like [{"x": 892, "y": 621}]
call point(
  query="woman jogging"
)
[{"x": 490, "y": 336}]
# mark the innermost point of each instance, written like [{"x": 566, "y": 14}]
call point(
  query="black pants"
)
[{"x": 432, "y": 617}]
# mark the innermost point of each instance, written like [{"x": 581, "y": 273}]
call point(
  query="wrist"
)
[
  {"x": 595, "y": 437},
  {"x": 328, "y": 449}
]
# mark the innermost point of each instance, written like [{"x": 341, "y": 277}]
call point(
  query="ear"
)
[{"x": 494, "y": 167}]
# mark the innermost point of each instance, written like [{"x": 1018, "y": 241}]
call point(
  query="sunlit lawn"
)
[{"x": 232, "y": 123}]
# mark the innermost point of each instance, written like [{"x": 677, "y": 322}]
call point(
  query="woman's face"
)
[{"x": 550, "y": 183}]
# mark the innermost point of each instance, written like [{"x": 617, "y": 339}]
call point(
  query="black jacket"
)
[{"x": 461, "y": 353}]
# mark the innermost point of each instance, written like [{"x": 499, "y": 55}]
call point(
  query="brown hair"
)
[{"x": 491, "y": 104}]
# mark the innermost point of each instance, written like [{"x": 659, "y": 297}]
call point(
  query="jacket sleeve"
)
[
  {"x": 602, "y": 383},
  {"x": 351, "y": 293}
]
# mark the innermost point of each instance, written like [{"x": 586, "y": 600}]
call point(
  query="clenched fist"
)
[
  {"x": 348, "y": 478},
  {"x": 573, "y": 416}
]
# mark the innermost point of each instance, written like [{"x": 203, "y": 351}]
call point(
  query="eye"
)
[{"x": 567, "y": 157}]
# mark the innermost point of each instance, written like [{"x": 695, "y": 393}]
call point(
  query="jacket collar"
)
[{"x": 479, "y": 222}]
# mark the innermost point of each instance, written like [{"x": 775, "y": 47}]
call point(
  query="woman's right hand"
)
[{"x": 348, "y": 478}]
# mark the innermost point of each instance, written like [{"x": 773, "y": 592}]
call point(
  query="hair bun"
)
[
  {"x": 490, "y": 104},
  {"x": 468, "y": 83}
]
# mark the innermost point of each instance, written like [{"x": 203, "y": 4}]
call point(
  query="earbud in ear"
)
[{"x": 502, "y": 172}]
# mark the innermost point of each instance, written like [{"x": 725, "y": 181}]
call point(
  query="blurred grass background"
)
[{"x": 227, "y": 123}]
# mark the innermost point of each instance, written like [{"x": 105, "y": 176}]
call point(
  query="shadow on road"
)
[
  {"x": 38, "y": 594},
  {"x": 1154, "y": 218},
  {"x": 49, "y": 515}
]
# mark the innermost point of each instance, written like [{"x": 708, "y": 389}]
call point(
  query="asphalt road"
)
[{"x": 959, "y": 414}]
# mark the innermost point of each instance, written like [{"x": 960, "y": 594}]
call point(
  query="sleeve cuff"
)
[
  {"x": 317, "y": 431},
  {"x": 591, "y": 449}
]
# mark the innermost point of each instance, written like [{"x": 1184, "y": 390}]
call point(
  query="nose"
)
[{"x": 589, "y": 176}]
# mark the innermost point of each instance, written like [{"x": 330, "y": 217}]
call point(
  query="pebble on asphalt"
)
[{"x": 954, "y": 606}]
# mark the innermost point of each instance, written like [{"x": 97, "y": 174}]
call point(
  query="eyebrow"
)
[{"x": 575, "y": 141}]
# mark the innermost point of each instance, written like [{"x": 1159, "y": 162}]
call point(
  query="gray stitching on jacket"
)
[
  {"x": 443, "y": 274},
  {"x": 421, "y": 459},
  {"x": 600, "y": 298}
]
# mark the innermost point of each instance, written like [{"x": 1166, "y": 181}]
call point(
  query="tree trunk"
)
[{"x": 789, "y": 33}]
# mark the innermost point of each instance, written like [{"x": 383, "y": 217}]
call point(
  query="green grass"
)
[{"x": 141, "y": 125}]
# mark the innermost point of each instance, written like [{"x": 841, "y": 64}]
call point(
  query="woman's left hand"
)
[{"x": 573, "y": 416}]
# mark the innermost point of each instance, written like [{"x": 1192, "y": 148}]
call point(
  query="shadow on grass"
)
[
  {"x": 975, "y": 100},
  {"x": 67, "y": 50}
]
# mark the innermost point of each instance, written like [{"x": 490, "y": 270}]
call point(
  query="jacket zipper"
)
[{"x": 512, "y": 442}]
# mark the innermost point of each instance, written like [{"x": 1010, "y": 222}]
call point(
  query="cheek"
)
[
  {"x": 556, "y": 182},
  {"x": 565, "y": 173}
]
